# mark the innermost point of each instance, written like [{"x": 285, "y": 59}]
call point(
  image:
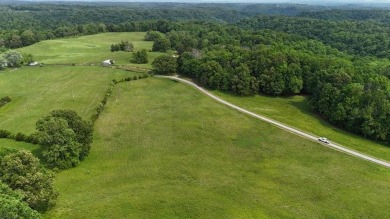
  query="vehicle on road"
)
[{"x": 322, "y": 139}]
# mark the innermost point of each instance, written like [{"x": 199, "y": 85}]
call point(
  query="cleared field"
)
[
  {"x": 90, "y": 49},
  {"x": 295, "y": 111},
  {"x": 35, "y": 91},
  {"x": 163, "y": 150}
]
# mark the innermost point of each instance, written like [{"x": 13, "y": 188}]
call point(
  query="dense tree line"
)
[
  {"x": 36, "y": 22},
  {"x": 45, "y": 16},
  {"x": 378, "y": 15},
  {"x": 11, "y": 39},
  {"x": 26, "y": 24},
  {"x": 362, "y": 38},
  {"x": 23, "y": 24}
]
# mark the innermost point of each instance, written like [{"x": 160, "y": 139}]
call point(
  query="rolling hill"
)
[{"x": 163, "y": 150}]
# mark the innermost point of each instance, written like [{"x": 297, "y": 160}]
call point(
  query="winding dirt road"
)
[{"x": 280, "y": 125}]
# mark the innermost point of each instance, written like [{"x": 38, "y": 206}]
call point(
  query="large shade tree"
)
[
  {"x": 22, "y": 172},
  {"x": 14, "y": 58},
  {"x": 65, "y": 138},
  {"x": 165, "y": 64}
]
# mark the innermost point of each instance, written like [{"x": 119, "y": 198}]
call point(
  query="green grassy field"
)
[
  {"x": 163, "y": 150},
  {"x": 89, "y": 49},
  {"x": 11, "y": 144},
  {"x": 35, "y": 91},
  {"x": 295, "y": 111}
]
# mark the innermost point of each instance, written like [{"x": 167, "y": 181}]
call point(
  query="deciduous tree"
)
[
  {"x": 12, "y": 205},
  {"x": 165, "y": 64},
  {"x": 161, "y": 45},
  {"x": 60, "y": 148},
  {"x": 22, "y": 172},
  {"x": 14, "y": 58},
  {"x": 140, "y": 57}
]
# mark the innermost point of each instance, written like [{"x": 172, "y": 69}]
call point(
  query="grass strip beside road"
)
[{"x": 295, "y": 111}]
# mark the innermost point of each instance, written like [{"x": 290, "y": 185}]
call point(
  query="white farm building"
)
[{"x": 107, "y": 62}]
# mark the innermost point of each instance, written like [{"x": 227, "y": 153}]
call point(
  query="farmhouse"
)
[{"x": 107, "y": 62}]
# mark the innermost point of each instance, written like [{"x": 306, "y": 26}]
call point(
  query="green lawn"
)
[
  {"x": 163, "y": 150},
  {"x": 295, "y": 111},
  {"x": 90, "y": 49},
  {"x": 35, "y": 91}
]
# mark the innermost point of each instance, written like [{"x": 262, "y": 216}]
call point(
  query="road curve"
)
[{"x": 280, "y": 125}]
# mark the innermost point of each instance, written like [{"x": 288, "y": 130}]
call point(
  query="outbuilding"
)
[
  {"x": 108, "y": 62},
  {"x": 33, "y": 63}
]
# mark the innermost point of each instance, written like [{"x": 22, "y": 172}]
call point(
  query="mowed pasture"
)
[
  {"x": 35, "y": 91},
  {"x": 90, "y": 50},
  {"x": 163, "y": 150},
  {"x": 11, "y": 144},
  {"x": 295, "y": 111}
]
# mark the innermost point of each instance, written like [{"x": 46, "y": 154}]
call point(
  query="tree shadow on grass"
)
[
  {"x": 37, "y": 152},
  {"x": 304, "y": 107}
]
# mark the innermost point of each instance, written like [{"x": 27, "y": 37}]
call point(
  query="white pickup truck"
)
[{"x": 322, "y": 139}]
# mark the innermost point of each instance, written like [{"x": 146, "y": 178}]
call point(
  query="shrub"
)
[
  {"x": 33, "y": 138},
  {"x": 20, "y": 137},
  {"x": 5, "y": 133},
  {"x": 4, "y": 100},
  {"x": 122, "y": 46},
  {"x": 153, "y": 35},
  {"x": 99, "y": 108},
  {"x": 140, "y": 57},
  {"x": 3, "y": 61},
  {"x": 145, "y": 76}
]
